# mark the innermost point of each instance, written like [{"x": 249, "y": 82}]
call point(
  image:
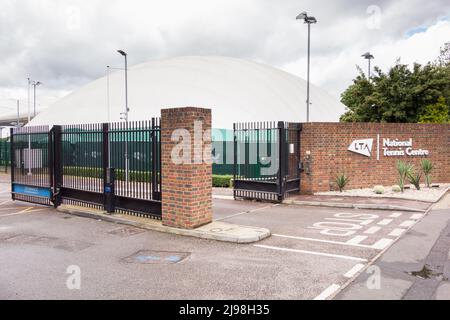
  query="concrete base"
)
[{"x": 220, "y": 231}]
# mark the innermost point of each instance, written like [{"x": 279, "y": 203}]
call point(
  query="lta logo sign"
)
[
  {"x": 363, "y": 147},
  {"x": 389, "y": 148}
]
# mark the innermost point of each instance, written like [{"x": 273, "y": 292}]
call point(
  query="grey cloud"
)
[{"x": 66, "y": 44}]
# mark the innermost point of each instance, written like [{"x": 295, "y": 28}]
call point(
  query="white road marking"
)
[
  {"x": 416, "y": 216},
  {"x": 366, "y": 222},
  {"x": 315, "y": 253},
  {"x": 385, "y": 222},
  {"x": 2, "y": 203},
  {"x": 382, "y": 243},
  {"x": 397, "y": 232},
  {"x": 372, "y": 230},
  {"x": 395, "y": 215},
  {"x": 407, "y": 223},
  {"x": 244, "y": 212},
  {"x": 357, "y": 239},
  {"x": 324, "y": 241},
  {"x": 328, "y": 292},
  {"x": 354, "y": 270}
]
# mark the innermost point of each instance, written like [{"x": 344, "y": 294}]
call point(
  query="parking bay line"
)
[
  {"x": 328, "y": 292},
  {"x": 385, "y": 222},
  {"x": 416, "y": 216},
  {"x": 372, "y": 230},
  {"x": 354, "y": 270},
  {"x": 357, "y": 239},
  {"x": 325, "y": 241},
  {"x": 395, "y": 215},
  {"x": 407, "y": 223},
  {"x": 397, "y": 232},
  {"x": 315, "y": 253}
]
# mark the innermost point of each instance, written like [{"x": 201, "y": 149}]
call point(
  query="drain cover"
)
[
  {"x": 157, "y": 257},
  {"x": 125, "y": 232}
]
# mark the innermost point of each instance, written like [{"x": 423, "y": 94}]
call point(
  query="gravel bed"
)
[{"x": 424, "y": 194}]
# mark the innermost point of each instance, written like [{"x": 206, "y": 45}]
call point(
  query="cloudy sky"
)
[{"x": 66, "y": 44}]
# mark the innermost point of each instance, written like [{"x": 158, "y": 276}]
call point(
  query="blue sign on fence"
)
[{"x": 31, "y": 191}]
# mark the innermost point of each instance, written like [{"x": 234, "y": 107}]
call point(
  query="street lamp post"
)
[
  {"x": 18, "y": 114},
  {"x": 308, "y": 20},
  {"x": 369, "y": 57},
  {"x": 29, "y": 136},
  {"x": 107, "y": 94},
  {"x": 125, "y": 114},
  {"x": 35, "y": 84}
]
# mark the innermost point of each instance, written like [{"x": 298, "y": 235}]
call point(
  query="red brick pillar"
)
[{"x": 186, "y": 170}]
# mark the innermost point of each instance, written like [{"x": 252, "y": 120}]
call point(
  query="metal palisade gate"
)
[
  {"x": 113, "y": 167},
  {"x": 266, "y": 160},
  {"x": 31, "y": 164}
]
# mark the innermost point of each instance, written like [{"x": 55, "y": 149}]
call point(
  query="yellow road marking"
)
[{"x": 27, "y": 210}]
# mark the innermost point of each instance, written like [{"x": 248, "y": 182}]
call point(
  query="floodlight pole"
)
[
  {"x": 309, "y": 67},
  {"x": 308, "y": 20},
  {"x": 29, "y": 136},
  {"x": 369, "y": 57},
  {"x": 18, "y": 114},
  {"x": 107, "y": 94},
  {"x": 125, "y": 114},
  {"x": 34, "y": 84}
]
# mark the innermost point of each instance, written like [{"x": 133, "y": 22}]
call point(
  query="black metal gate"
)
[
  {"x": 266, "y": 160},
  {"x": 31, "y": 164},
  {"x": 115, "y": 167}
]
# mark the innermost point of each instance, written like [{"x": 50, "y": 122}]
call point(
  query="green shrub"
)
[
  {"x": 222, "y": 181},
  {"x": 396, "y": 188},
  {"x": 404, "y": 169},
  {"x": 342, "y": 180},
  {"x": 427, "y": 167},
  {"x": 378, "y": 189},
  {"x": 414, "y": 178}
]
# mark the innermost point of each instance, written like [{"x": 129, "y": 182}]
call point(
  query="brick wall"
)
[
  {"x": 186, "y": 187},
  {"x": 328, "y": 144}
]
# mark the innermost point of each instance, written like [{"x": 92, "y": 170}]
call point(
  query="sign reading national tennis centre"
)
[{"x": 388, "y": 148}]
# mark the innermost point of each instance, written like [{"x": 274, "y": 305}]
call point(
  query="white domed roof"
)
[{"x": 236, "y": 91}]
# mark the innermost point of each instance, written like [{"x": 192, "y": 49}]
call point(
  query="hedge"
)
[{"x": 222, "y": 181}]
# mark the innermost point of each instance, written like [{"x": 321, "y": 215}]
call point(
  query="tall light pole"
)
[
  {"x": 18, "y": 114},
  {"x": 107, "y": 94},
  {"x": 369, "y": 57},
  {"x": 35, "y": 84},
  {"x": 29, "y": 136},
  {"x": 125, "y": 114},
  {"x": 308, "y": 20}
]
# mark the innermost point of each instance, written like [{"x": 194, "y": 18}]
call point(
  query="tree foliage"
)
[
  {"x": 402, "y": 94},
  {"x": 436, "y": 113}
]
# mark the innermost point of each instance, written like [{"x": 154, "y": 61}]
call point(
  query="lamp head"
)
[
  {"x": 122, "y": 52},
  {"x": 302, "y": 16},
  {"x": 368, "y": 55}
]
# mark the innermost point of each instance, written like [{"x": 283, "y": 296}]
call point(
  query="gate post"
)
[
  {"x": 57, "y": 165},
  {"x": 12, "y": 159},
  {"x": 283, "y": 161},
  {"x": 186, "y": 167}
]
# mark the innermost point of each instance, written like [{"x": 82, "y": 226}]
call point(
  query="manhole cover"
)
[
  {"x": 157, "y": 257},
  {"x": 125, "y": 232}
]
